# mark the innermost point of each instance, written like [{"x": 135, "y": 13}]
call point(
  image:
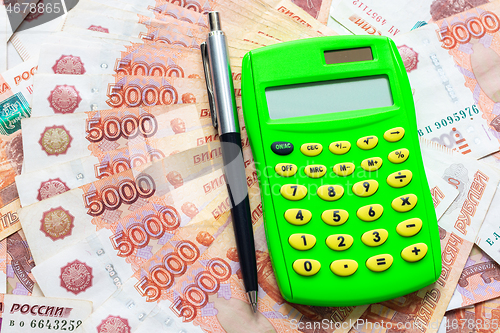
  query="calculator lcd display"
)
[{"x": 325, "y": 97}]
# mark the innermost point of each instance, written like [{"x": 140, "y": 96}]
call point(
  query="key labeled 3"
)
[{"x": 375, "y": 237}]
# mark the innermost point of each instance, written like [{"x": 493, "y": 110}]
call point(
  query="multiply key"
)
[{"x": 404, "y": 203}]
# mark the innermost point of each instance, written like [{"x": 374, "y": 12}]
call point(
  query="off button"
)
[{"x": 282, "y": 147}]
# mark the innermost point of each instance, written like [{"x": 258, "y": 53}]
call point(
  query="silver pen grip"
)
[{"x": 222, "y": 83}]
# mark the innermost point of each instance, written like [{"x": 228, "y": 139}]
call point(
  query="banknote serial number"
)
[
  {"x": 456, "y": 117},
  {"x": 33, "y": 8},
  {"x": 479, "y": 323},
  {"x": 56, "y": 325}
]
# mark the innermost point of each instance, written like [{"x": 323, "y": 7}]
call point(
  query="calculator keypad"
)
[
  {"x": 315, "y": 170},
  {"x": 293, "y": 191},
  {"x": 344, "y": 267},
  {"x": 340, "y": 242},
  {"x": 400, "y": 178},
  {"x": 330, "y": 192},
  {"x": 340, "y": 147},
  {"x": 375, "y": 237},
  {"x": 343, "y": 169},
  {"x": 370, "y": 213},
  {"x": 298, "y": 216},
  {"x": 302, "y": 241},
  {"x": 306, "y": 267},
  {"x": 285, "y": 169},
  {"x": 404, "y": 203},
  {"x": 394, "y": 134},
  {"x": 365, "y": 187},
  {"x": 367, "y": 142},
  {"x": 371, "y": 164},
  {"x": 311, "y": 149},
  {"x": 414, "y": 252},
  {"x": 399, "y": 155},
  {"x": 335, "y": 216},
  {"x": 379, "y": 263},
  {"x": 409, "y": 227}
]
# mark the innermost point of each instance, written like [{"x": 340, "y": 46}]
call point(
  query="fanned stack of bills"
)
[{"x": 117, "y": 179}]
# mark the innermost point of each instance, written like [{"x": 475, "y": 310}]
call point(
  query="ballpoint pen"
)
[{"x": 220, "y": 89}]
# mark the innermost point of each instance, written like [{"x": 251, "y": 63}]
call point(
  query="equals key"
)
[{"x": 379, "y": 263}]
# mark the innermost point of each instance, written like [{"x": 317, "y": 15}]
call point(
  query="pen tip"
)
[{"x": 252, "y": 298}]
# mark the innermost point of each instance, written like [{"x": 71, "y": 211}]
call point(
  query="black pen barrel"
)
[{"x": 238, "y": 193}]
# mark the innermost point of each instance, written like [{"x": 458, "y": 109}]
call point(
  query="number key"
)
[
  {"x": 302, "y": 241},
  {"x": 365, "y": 188},
  {"x": 375, "y": 237},
  {"x": 298, "y": 216},
  {"x": 293, "y": 192},
  {"x": 370, "y": 213},
  {"x": 330, "y": 192},
  {"x": 340, "y": 242},
  {"x": 335, "y": 216},
  {"x": 306, "y": 267}
]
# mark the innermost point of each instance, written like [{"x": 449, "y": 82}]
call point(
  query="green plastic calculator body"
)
[{"x": 348, "y": 214}]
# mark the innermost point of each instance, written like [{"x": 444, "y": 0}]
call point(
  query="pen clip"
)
[{"x": 208, "y": 80}]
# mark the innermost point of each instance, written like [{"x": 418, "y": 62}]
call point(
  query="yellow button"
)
[
  {"x": 343, "y": 169},
  {"x": 379, "y": 263},
  {"x": 297, "y": 216},
  {"x": 339, "y": 242},
  {"x": 365, "y": 188},
  {"x": 370, "y": 212},
  {"x": 285, "y": 169},
  {"x": 399, "y": 155},
  {"x": 404, "y": 203},
  {"x": 344, "y": 267},
  {"x": 394, "y": 134},
  {"x": 306, "y": 267},
  {"x": 311, "y": 149},
  {"x": 315, "y": 170},
  {"x": 293, "y": 191},
  {"x": 335, "y": 216},
  {"x": 414, "y": 252},
  {"x": 330, "y": 192},
  {"x": 371, "y": 164},
  {"x": 367, "y": 142},
  {"x": 375, "y": 237},
  {"x": 399, "y": 178},
  {"x": 302, "y": 241},
  {"x": 340, "y": 147},
  {"x": 409, "y": 227}
]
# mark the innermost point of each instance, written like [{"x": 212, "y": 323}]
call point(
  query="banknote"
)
[
  {"x": 58, "y": 221},
  {"x": 392, "y": 18},
  {"x": 320, "y": 10},
  {"x": 20, "y": 280},
  {"x": 488, "y": 236},
  {"x": 57, "y": 146},
  {"x": 443, "y": 194},
  {"x": 300, "y": 9},
  {"x": 63, "y": 94},
  {"x": 3, "y": 266},
  {"x": 448, "y": 106},
  {"x": 479, "y": 281},
  {"x": 22, "y": 314},
  {"x": 122, "y": 22},
  {"x": 76, "y": 59},
  {"x": 99, "y": 132}
]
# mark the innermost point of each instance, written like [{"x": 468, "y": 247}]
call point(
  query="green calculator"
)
[{"x": 348, "y": 214}]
